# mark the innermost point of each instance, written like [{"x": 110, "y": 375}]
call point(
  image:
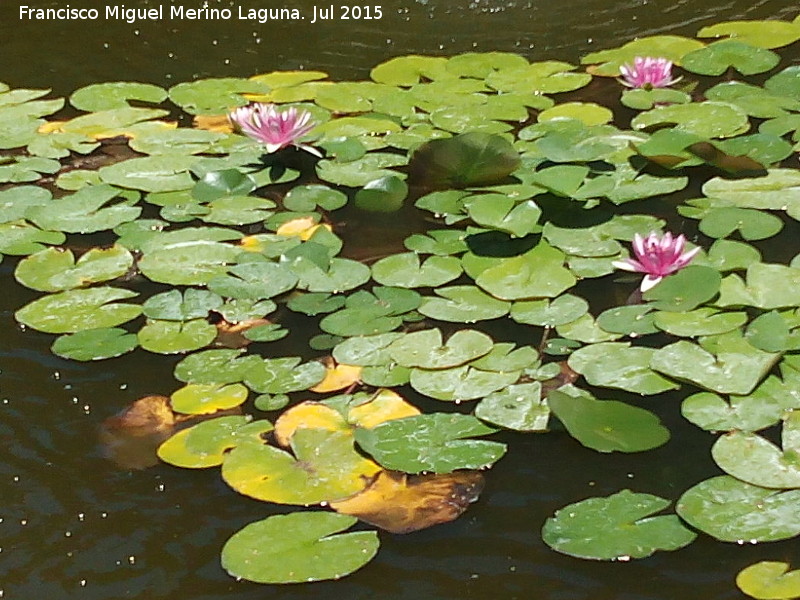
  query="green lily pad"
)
[
  {"x": 425, "y": 348},
  {"x": 173, "y": 337},
  {"x": 736, "y": 368},
  {"x": 205, "y": 444},
  {"x": 751, "y": 224},
  {"x": 176, "y": 306},
  {"x": 769, "y": 580},
  {"x": 754, "y": 459},
  {"x": 606, "y": 425},
  {"x": 15, "y": 201},
  {"x": 730, "y": 255},
  {"x": 766, "y": 286},
  {"x": 86, "y": 211},
  {"x": 685, "y": 290},
  {"x": 385, "y": 194},
  {"x": 519, "y": 407},
  {"x": 539, "y": 273},
  {"x": 371, "y": 350},
  {"x": 20, "y": 238},
  {"x": 438, "y": 443},
  {"x": 671, "y": 47},
  {"x": 633, "y": 320},
  {"x": 458, "y": 384},
  {"x": 587, "y": 112},
  {"x": 500, "y": 212},
  {"x": 214, "y": 96},
  {"x": 549, "y": 313},
  {"x": 106, "y": 96},
  {"x": 770, "y": 332},
  {"x": 360, "y": 172},
  {"x": 406, "y": 270},
  {"x": 546, "y": 77},
  {"x": 718, "y": 57},
  {"x": 282, "y": 375},
  {"x": 468, "y": 159},
  {"x": 188, "y": 263},
  {"x": 306, "y": 198},
  {"x": 463, "y": 304},
  {"x": 701, "y": 321},
  {"x": 707, "y": 119},
  {"x": 298, "y": 548},
  {"x": 325, "y": 467},
  {"x": 95, "y": 344},
  {"x": 618, "y": 527},
  {"x": 618, "y": 365},
  {"x": 406, "y": 71},
  {"x": 734, "y": 511},
  {"x": 55, "y": 269},
  {"x": 745, "y": 413},
  {"x": 216, "y": 366},
  {"x": 161, "y": 173},
  {"x": 762, "y": 34},
  {"x": 203, "y": 399},
  {"x": 254, "y": 281},
  {"x": 79, "y": 310},
  {"x": 643, "y": 99}
]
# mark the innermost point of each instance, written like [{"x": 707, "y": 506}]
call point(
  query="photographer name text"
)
[{"x": 120, "y": 12}]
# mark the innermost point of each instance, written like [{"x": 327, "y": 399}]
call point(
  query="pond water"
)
[{"x": 74, "y": 525}]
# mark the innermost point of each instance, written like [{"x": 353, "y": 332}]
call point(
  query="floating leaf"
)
[
  {"x": 425, "y": 348},
  {"x": 769, "y": 580},
  {"x": 718, "y": 57},
  {"x": 464, "y": 160},
  {"x": 298, "y": 547},
  {"x": 79, "y": 310},
  {"x": 206, "y": 444},
  {"x": 460, "y": 383},
  {"x": 325, "y": 467},
  {"x": 762, "y": 34},
  {"x": 751, "y": 224},
  {"x": 55, "y": 269},
  {"x": 539, "y": 273},
  {"x": 174, "y": 306},
  {"x": 215, "y": 366},
  {"x": 433, "y": 442},
  {"x": 95, "y": 344},
  {"x": 214, "y": 96},
  {"x": 172, "y": 337},
  {"x": 549, "y": 313},
  {"x": 707, "y": 119},
  {"x": 254, "y": 281},
  {"x": 106, "y": 96},
  {"x": 621, "y": 366},
  {"x": 85, "y": 211},
  {"x": 587, "y": 112},
  {"x": 734, "y": 511},
  {"x": 402, "y": 503},
  {"x": 463, "y": 304},
  {"x": 203, "y": 399},
  {"x": 754, "y": 459},
  {"x": 283, "y": 375},
  {"x": 406, "y": 270},
  {"x": 192, "y": 263},
  {"x": 701, "y": 321},
  {"x": 618, "y": 527},
  {"x": 736, "y": 368},
  {"x": 606, "y": 425},
  {"x": 518, "y": 407},
  {"x": 503, "y": 213},
  {"x": 746, "y": 413},
  {"x": 685, "y": 290}
]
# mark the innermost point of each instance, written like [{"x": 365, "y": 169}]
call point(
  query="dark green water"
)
[{"x": 75, "y": 526}]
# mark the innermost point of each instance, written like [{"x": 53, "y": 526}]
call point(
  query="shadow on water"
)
[{"x": 74, "y": 526}]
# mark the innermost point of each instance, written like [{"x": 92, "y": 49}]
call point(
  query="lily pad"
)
[
  {"x": 425, "y": 348},
  {"x": 539, "y": 273},
  {"x": 201, "y": 399},
  {"x": 463, "y": 304},
  {"x": 707, "y": 119},
  {"x": 55, "y": 269},
  {"x": 174, "y": 306},
  {"x": 206, "y": 444},
  {"x": 462, "y": 383},
  {"x": 408, "y": 271},
  {"x": 606, "y": 425},
  {"x": 718, "y": 57},
  {"x": 79, "y": 310},
  {"x": 754, "y": 459},
  {"x": 618, "y": 365},
  {"x": 618, "y": 527},
  {"x": 769, "y": 580},
  {"x": 86, "y": 211},
  {"x": 298, "y": 547},
  {"x": 519, "y": 407},
  {"x": 762, "y": 34},
  {"x": 106, "y": 96},
  {"x": 95, "y": 344},
  {"x": 173, "y": 337},
  {"x": 438, "y": 443},
  {"x": 734, "y": 511}
]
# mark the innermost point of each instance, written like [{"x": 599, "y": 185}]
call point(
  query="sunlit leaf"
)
[
  {"x": 298, "y": 547},
  {"x": 769, "y": 580},
  {"x": 618, "y": 527}
]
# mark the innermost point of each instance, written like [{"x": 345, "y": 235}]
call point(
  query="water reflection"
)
[{"x": 73, "y": 526}]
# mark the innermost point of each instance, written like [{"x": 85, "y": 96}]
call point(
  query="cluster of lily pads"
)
[{"x": 199, "y": 240}]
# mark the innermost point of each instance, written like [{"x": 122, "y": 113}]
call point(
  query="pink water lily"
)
[
  {"x": 647, "y": 73},
  {"x": 657, "y": 256},
  {"x": 274, "y": 128}
]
